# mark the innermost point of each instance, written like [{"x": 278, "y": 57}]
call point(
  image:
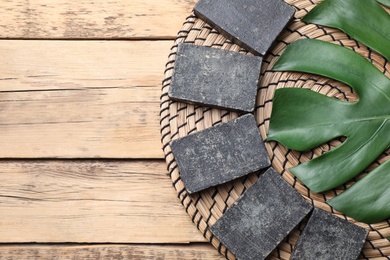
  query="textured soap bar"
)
[
  {"x": 329, "y": 237},
  {"x": 214, "y": 77},
  {"x": 253, "y": 24},
  {"x": 220, "y": 154},
  {"x": 261, "y": 218}
]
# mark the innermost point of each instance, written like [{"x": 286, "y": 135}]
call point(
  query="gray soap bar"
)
[
  {"x": 253, "y": 24},
  {"x": 261, "y": 218},
  {"x": 214, "y": 77},
  {"x": 329, "y": 237},
  {"x": 220, "y": 154}
]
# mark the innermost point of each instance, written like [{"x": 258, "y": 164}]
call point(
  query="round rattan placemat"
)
[{"x": 179, "y": 119}]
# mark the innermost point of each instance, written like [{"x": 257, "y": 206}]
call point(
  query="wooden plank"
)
[
  {"x": 81, "y": 99},
  {"x": 109, "y": 123},
  {"x": 95, "y": 252},
  {"x": 91, "y": 202},
  {"x": 93, "y": 19},
  {"x": 48, "y": 65}
]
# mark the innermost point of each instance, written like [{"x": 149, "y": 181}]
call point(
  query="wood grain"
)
[
  {"x": 53, "y": 65},
  {"x": 92, "y": 19},
  {"x": 81, "y": 99},
  {"x": 96, "y": 252},
  {"x": 91, "y": 202}
]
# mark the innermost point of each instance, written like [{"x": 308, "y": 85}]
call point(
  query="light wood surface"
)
[
  {"x": 91, "y": 202},
  {"x": 112, "y": 252},
  {"x": 34, "y": 65},
  {"x": 92, "y": 19},
  {"x": 81, "y": 168},
  {"x": 83, "y": 99}
]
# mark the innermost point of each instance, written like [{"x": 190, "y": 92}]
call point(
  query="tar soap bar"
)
[
  {"x": 329, "y": 237},
  {"x": 262, "y": 217},
  {"x": 220, "y": 154},
  {"x": 253, "y": 24},
  {"x": 214, "y": 77}
]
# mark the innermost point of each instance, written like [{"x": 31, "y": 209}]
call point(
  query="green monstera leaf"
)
[
  {"x": 384, "y": 2},
  {"x": 302, "y": 119},
  {"x": 364, "y": 20},
  {"x": 369, "y": 199}
]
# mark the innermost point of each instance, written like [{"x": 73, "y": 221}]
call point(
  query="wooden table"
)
[{"x": 82, "y": 170}]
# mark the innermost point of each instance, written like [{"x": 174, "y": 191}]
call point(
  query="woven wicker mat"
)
[{"x": 179, "y": 119}]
